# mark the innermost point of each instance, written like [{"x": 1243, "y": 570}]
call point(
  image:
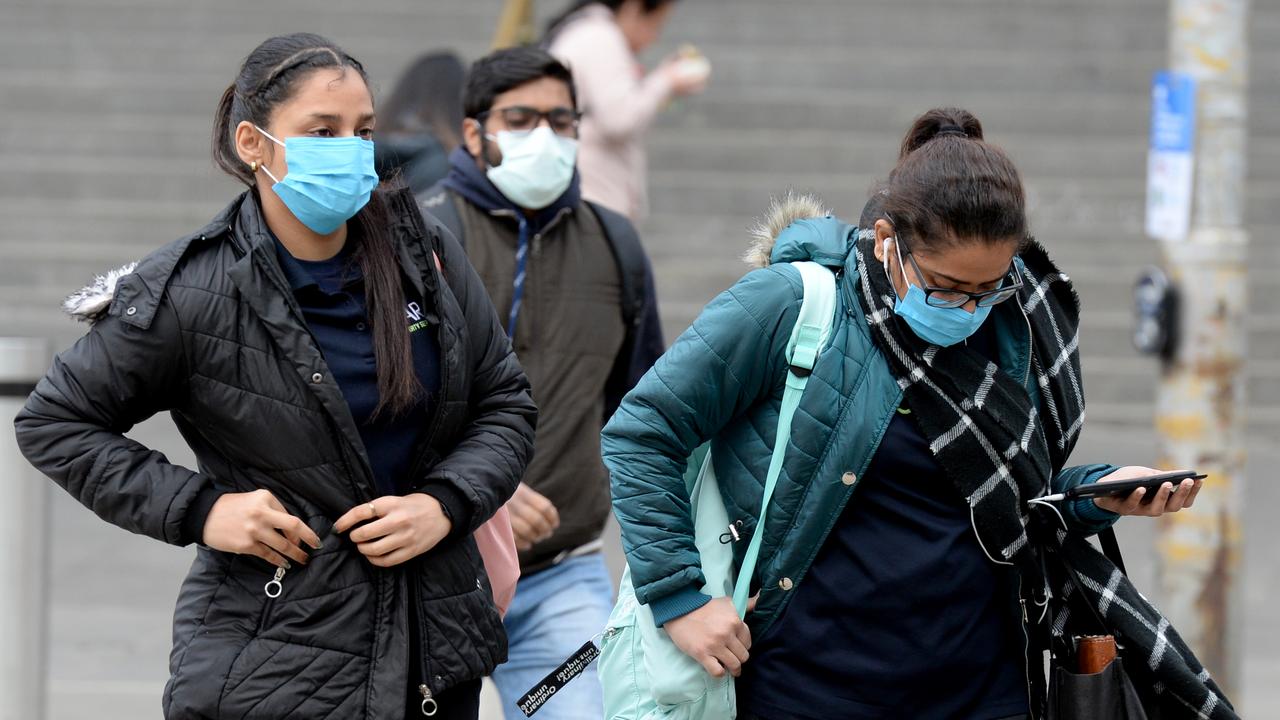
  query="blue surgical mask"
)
[
  {"x": 328, "y": 179},
  {"x": 537, "y": 167},
  {"x": 940, "y": 326}
]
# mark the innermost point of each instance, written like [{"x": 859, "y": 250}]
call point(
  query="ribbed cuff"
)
[
  {"x": 454, "y": 504},
  {"x": 1087, "y": 510},
  {"x": 197, "y": 514},
  {"x": 677, "y": 605}
]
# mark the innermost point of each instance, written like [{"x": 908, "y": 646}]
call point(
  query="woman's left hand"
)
[
  {"x": 396, "y": 528},
  {"x": 1167, "y": 499}
]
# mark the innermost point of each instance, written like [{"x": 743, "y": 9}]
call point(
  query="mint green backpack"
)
[{"x": 645, "y": 676}]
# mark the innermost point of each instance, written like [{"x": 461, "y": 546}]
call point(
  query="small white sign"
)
[
  {"x": 1169, "y": 180},
  {"x": 1170, "y": 160}
]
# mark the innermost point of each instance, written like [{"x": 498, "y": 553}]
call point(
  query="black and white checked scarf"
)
[{"x": 1000, "y": 451}]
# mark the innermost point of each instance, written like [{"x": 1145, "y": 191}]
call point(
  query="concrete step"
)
[
  {"x": 1050, "y": 201},
  {"x": 1082, "y": 115},
  {"x": 1037, "y": 156},
  {"x": 397, "y": 25},
  {"x": 181, "y": 144}
]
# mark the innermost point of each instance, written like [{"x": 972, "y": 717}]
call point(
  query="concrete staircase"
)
[{"x": 107, "y": 106}]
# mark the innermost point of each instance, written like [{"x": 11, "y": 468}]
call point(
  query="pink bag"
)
[{"x": 497, "y": 545}]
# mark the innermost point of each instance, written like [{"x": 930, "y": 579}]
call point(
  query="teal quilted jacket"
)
[{"x": 723, "y": 381}]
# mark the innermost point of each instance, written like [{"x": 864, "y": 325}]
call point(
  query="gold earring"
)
[{"x": 254, "y": 166}]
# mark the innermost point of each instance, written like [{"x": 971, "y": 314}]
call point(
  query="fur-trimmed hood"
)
[
  {"x": 90, "y": 303},
  {"x": 798, "y": 226}
]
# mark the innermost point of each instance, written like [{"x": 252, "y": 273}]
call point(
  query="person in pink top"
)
[{"x": 599, "y": 41}]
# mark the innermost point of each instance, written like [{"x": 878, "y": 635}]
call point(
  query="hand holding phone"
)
[
  {"x": 1152, "y": 483},
  {"x": 1137, "y": 490}
]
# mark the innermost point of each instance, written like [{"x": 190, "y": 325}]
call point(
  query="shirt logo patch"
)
[{"x": 413, "y": 313}]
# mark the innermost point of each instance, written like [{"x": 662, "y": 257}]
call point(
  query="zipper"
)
[
  {"x": 418, "y": 639},
  {"x": 429, "y": 705},
  {"x": 272, "y": 590},
  {"x": 275, "y": 586}
]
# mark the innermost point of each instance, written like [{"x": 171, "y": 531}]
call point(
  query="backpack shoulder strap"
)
[
  {"x": 808, "y": 337},
  {"x": 625, "y": 242},
  {"x": 813, "y": 326},
  {"x": 438, "y": 202}
]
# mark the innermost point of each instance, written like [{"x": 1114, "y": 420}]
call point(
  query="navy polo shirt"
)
[
  {"x": 901, "y": 614},
  {"x": 331, "y": 294}
]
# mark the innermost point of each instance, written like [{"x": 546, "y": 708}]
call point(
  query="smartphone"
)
[{"x": 1123, "y": 487}]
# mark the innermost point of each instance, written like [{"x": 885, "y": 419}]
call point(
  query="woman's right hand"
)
[
  {"x": 687, "y": 75},
  {"x": 255, "y": 523},
  {"x": 713, "y": 635}
]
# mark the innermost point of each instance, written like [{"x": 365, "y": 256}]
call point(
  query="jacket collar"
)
[
  {"x": 265, "y": 288},
  {"x": 469, "y": 181}
]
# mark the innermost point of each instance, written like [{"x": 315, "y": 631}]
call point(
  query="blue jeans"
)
[{"x": 554, "y": 612}]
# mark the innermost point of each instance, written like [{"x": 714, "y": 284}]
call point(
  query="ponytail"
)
[
  {"x": 223, "y": 145},
  {"x": 933, "y": 123}
]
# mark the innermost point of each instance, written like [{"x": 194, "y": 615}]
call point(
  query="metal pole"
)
[
  {"x": 24, "y": 536},
  {"x": 1200, "y": 411}
]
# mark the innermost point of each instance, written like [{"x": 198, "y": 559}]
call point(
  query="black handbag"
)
[{"x": 1107, "y": 693}]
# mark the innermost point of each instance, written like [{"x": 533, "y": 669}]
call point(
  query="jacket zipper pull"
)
[
  {"x": 274, "y": 587},
  {"x": 429, "y": 706},
  {"x": 733, "y": 535}
]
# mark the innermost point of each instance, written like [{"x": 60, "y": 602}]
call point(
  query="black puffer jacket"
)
[{"x": 207, "y": 329}]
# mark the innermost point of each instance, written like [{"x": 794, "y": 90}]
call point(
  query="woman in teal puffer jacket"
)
[{"x": 900, "y": 573}]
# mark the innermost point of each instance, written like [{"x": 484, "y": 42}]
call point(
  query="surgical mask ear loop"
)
[
  {"x": 263, "y": 165},
  {"x": 484, "y": 137},
  {"x": 268, "y": 172}
]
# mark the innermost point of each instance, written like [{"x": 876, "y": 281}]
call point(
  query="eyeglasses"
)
[
  {"x": 522, "y": 119},
  {"x": 953, "y": 298}
]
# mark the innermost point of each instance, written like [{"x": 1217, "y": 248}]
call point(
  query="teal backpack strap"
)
[{"x": 808, "y": 337}]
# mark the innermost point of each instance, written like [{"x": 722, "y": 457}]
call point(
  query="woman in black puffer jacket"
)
[{"x": 354, "y": 404}]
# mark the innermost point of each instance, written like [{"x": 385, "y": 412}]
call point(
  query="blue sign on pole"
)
[
  {"x": 1173, "y": 112},
  {"x": 1170, "y": 162}
]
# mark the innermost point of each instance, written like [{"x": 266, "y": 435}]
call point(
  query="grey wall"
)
[{"x": 106, "y": 108}]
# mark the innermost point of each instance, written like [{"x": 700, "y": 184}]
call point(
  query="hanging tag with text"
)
[{"x": 532, "y": 701}]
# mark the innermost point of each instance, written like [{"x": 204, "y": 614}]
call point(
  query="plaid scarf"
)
[{"x": 1000, "y": 450}]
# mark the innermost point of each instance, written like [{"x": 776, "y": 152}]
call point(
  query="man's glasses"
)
[
  {"x": 522, "y": 119},
  {"x": 953, "y": 298}
]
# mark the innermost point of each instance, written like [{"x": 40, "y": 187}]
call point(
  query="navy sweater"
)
[{"x": 331, "y": 294}]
